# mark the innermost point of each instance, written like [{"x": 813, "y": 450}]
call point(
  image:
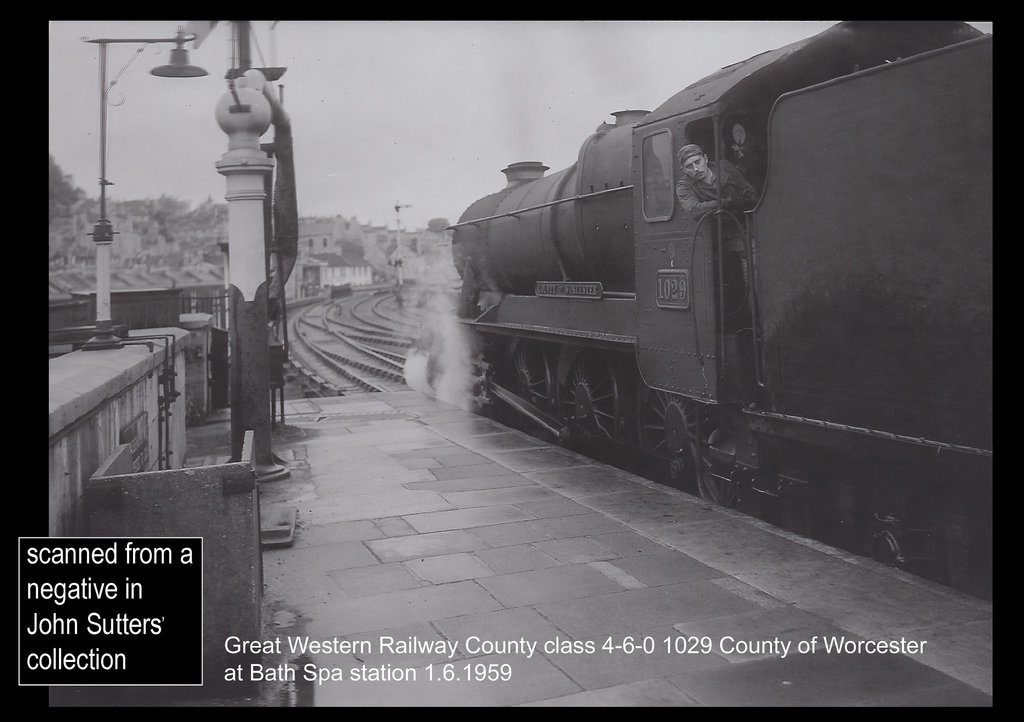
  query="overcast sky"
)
[{"x": 424, "y": 114}]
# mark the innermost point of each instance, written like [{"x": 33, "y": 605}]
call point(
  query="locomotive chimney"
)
[
  {"x": 628, "y": 117},
  {"x": 526, "y": 170}
]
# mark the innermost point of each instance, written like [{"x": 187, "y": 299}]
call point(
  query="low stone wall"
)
[{"x": 101, "y": 399}]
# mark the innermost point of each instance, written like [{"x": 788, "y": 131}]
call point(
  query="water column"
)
[{"x": 244, "y": 114}]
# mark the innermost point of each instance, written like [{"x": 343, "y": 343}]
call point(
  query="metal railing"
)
[{"x": 216, "y": 306}]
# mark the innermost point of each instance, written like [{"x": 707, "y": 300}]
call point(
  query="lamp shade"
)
[{"x": 179, "y": 66}]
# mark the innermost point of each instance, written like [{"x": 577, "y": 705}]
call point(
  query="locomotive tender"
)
[{"x": 846, "y": 390}]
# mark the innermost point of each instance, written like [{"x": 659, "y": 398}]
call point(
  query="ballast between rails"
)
[
  {"x": 336, "y": 356},
  {"x": 336, "y": 364}
]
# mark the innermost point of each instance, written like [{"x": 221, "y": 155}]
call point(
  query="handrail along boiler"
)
[{"x": 845, "y": 391}]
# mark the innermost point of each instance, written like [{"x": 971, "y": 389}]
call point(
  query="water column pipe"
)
[{"x": 244, "y": 114}]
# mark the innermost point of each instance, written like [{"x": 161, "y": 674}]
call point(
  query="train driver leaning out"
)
[{"x": 698, "y": 193}]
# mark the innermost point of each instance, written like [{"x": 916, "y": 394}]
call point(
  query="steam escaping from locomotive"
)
[{"x": 441, "y": 364}]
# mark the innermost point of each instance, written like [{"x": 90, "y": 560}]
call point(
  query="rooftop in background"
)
[
  {"x": 347, "y": 258},
  {"x": 83, "y": 279}
]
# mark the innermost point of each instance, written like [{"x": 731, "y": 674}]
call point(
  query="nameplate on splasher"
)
[{"x": 569, "y": 289}]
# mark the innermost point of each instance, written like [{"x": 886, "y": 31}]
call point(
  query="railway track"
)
[{"x": 356, "y": 344}]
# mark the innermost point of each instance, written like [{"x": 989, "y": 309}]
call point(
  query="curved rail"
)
[{"x": 338, "y": 353}]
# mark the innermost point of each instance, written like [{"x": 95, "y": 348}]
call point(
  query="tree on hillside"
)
[{"x": 63, "y": 193}]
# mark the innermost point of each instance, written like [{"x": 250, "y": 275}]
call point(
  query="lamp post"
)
[{"x": 103, "y": 230}]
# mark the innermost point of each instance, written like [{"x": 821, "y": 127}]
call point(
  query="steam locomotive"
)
[{"x": 842, "y": 389}]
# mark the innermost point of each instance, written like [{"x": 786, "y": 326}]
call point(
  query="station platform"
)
[{"x": 442, "y": 559}]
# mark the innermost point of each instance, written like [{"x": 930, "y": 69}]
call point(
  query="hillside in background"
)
[{"x": 145, "y": 228}]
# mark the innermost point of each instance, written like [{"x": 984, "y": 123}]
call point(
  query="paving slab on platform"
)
[{"x": 419, "y": 522}]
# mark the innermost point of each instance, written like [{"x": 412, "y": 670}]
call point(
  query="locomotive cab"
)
[
  {"x": 696, "y": 353},
  {"x": 684, "y": 277}
]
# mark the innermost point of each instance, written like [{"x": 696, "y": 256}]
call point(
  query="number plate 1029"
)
[{"x": 673, "y": 287}]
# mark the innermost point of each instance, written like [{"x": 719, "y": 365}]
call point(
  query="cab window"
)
[{"x": 656, "y": 166}]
